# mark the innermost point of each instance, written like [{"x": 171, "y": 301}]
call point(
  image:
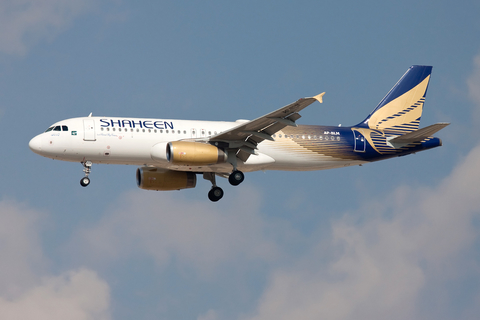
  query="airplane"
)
[{"x": 171, "y": 153}]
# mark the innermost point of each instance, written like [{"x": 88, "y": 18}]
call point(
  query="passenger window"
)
[
  {"x": 57, "y": 128},
  {"x": 64, "y": 128}
]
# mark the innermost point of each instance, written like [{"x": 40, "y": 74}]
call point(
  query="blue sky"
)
[{"x": 397, "y": 239}]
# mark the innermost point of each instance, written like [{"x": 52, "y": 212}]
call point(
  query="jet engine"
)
[
  {"x": 161, "y": 180},
  {"x": 194, "y": 153}
]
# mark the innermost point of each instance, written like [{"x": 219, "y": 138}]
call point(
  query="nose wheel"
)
[
  {"x": 87, "y": 168},
  {"x": 85, "y": 181}
]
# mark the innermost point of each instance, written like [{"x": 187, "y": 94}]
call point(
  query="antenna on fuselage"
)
[{"x": 90, "y": 115}]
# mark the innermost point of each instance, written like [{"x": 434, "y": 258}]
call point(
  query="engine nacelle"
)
[
  {"x": 194, "y": 153},
  {"x": 160, "y": 180}
]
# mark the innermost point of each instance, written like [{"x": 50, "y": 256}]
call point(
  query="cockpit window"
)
[{"x": 57, "y": 128}]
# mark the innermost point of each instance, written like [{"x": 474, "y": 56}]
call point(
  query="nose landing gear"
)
[{"x": 87, "y": 168}]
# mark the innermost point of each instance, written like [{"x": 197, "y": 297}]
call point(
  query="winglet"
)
[{"x": 319, "y": 97}]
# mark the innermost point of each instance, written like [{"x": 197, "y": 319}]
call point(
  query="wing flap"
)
[{"x": 267, "y": 124}]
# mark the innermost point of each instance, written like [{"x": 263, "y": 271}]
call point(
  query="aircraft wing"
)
[{"x": 246, "y": 136}]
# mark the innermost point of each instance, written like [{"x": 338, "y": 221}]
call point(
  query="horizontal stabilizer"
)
[{"x": 418, "y": 135}]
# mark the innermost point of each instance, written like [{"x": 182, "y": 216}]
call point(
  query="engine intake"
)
[
  {"x": 194, "y": 153},
  {"x": 160, "y": 180}
]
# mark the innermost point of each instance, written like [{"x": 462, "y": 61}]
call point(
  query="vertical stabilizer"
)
[{"x": 401, "y": 109}]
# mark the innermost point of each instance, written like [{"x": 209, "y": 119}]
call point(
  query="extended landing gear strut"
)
[
  {"x": 87, "y": 168},
  {"x": 216, "y": 193}
]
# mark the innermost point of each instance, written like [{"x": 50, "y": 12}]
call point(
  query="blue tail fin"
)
[{"x": 401, "y": 109}]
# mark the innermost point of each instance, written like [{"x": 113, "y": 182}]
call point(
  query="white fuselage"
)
[{"x": 131, "y": 141}]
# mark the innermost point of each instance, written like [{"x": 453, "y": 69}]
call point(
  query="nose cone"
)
[{"x": 36, "y": 144}]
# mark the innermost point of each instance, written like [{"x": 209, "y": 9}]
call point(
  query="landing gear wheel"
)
[
  {"x": 85, "y": 181},
  {"x": 87, "y": 168},
  {"x": 236, "y": 177},
  {"x": 215, "y": 194}
]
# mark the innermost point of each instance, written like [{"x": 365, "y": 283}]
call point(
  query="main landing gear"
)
[
  {"x": 216, "y": 193},
  {"x": 87, "y": 168},
  {"x": 236, "y": 177}
]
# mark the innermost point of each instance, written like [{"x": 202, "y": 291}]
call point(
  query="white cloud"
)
[
  {"x": 27, "y": 291},
  {"x": 76, "y": 295},
  {"x": 19, "y": 247},
  {"x": 200, "y": 235},
  {"x": 24, "y": 23},
  {"x": 210, "y": 315}
]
